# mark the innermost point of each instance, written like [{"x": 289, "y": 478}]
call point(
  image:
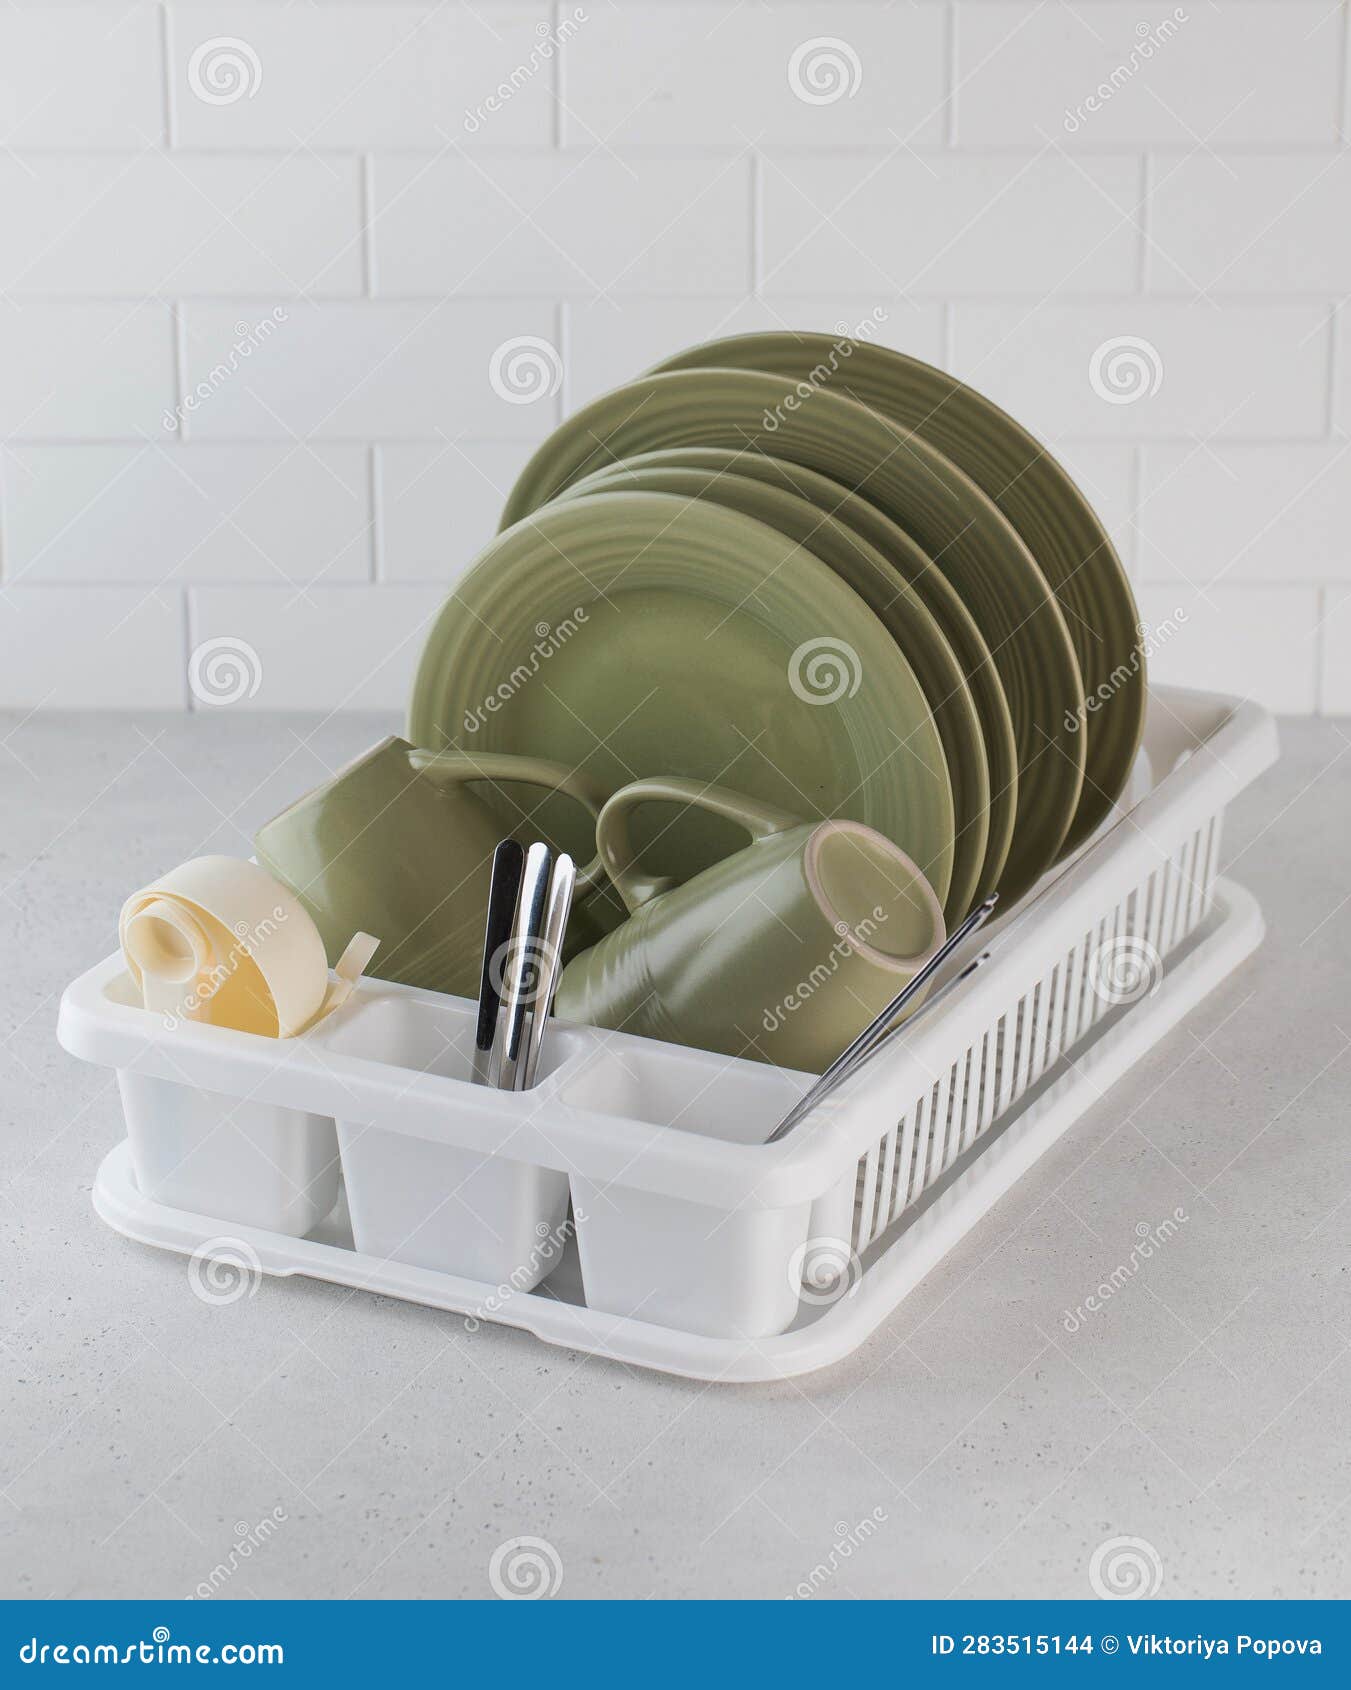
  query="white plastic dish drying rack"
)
[{"x": 626, "y": 1205}]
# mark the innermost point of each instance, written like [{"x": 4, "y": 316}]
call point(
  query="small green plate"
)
[
  {"x": 1049, "y": 512},
  {"x": 914, "y": 484},
  {"x": 899, "y": 609},
  {"x": 637, "y": 634}
]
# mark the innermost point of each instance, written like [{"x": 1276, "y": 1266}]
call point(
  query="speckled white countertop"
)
[{"x": 149, "y": 1436}]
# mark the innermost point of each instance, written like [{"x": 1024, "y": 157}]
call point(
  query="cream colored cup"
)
[{"x": 219, "y": 940}]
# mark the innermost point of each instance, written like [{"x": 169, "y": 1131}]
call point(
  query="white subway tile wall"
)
[
  {"x": 289, "y": 293},
  {"x": 957, "y": 226},
  {"x": 609, "y": 344},
  {"x": 360, "y": 644}
]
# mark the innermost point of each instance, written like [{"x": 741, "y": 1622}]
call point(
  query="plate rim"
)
[
  {"x": 612, "y": 477},
  {"x": 1096, "y": 799},
  {"x": 848, "y": 607},
  {"x": 541, "y": 479}
]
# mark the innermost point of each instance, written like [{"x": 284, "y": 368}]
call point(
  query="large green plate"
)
[
  {"x": 901, "y": 612},
  {"x": 635, "y": 634},
  {"x": 916, "y": 576},
  {"x": 1032, "y": 490},
  {"x": 925, "y": 494}
]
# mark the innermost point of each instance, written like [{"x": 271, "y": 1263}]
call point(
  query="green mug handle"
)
[
  {"x": 465, "y": 766},
  {"x": 615, "y": 847}
]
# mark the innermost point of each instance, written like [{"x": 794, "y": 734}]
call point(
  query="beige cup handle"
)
[
  {"x": 616, "y": 847},
  {"x": 466, "y": 766}
]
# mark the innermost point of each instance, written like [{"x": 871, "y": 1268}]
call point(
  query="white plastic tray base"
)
[{"x": 822, "y": 1334}]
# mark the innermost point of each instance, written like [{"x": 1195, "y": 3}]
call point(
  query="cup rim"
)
[{"x": 889, "y": 960}]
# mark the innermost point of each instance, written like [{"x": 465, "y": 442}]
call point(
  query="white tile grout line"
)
[
  {"x": 565, "y": 348},
  {"x": 170, "y": 110},
  {"x": 757, "y": 217},
  {"x": 1320, "y": 649},
  {"x": 378, "y": 563},
  {"x": 366, "y": 211},
  {"x": 187, "y": 623},
  {"x": 557, "y": 81},
  {"x": 178, "y": 328},
  {"x": 1345, "y": 52}
]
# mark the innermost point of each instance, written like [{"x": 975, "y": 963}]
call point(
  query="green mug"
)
[
  {"x": 396, "y": 845},
  {"x": 782, "y": 952}
]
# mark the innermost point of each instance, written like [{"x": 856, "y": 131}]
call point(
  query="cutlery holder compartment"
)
[
  {"x": 249, "y": 1164},
  {"x": 425, "y": 1199},
  {"x": 695, "y": 1266},
  {"x": 454, "y": 1211},
  {"x": 692, "y": 1266}
]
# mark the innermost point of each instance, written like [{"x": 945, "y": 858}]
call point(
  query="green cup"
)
[
  {"x": 782, "y": 952},
  {"x": 396, "y": 845}
]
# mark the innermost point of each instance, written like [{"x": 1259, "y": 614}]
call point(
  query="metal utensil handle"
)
[
  {"x": 881, "y": 1022},
  {"x": 926, "y": 1008},
  {"x": 503, "y": 892},
  {"x": 561, "y": 888},
  {"x": 525, "y": 949},
  {"x": 881, "y": 1025}
]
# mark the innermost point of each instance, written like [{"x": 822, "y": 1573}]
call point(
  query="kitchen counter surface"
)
[{"x": 988, "y": 1441}]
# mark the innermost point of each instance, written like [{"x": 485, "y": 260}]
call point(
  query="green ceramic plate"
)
[
  {"x": 635, "y": 634},
  {"x": 916, "y": 577},
  {"x": 901, "y": 613},
  {"x": 1031, "y": 489},
  {"x": 925, "y": 494}
]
